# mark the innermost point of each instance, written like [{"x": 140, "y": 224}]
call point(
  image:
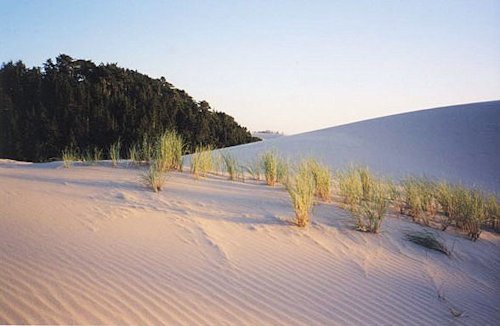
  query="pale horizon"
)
[{"x": 291, "y": 67}]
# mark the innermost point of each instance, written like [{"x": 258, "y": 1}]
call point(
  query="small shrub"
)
[
  {"x": 201, "y": 161},
  {"x": 428, "y": 240},
  {"x": 301, "y": 190},
  {"x": 69, "y": 155},
  {"x": 114, "y": 152},
  {"x": 270, "y": 166},
  {"x": 154, "y": 177},
  {"x": 169, "y": 150},
  {"x": 231, "y": 166},
  {"x": 322, "y": 179}
]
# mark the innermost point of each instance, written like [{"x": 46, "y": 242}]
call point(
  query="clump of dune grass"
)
[
  {"x": 428, "y": 240},
  {"x": 218, "y": 163},
  {"x": 420, "y": 199},
  {"x": 97, "y": 154},
  {"x": 301, "y": 190},
  {"x": 231, "y": 166},
  {"x": 365, "y": 196},
  {"x": 270, "y": 165},
  {"x": 133, "y": 155},
  {"x": 373, "y": 207},
  {"x": 282, "y": 171},
  {"x": 322, "y": 179},
  {"x": 201, "y": 161},
  {"x": 91, "y": 156},
  {"x": 88, "y": 157},
  {"x": 154, "y": 177},
  {"x": 114, "y": 152},
  {"x": 493, "y": 212},
  {"x": 350, "y": 187},
  {"x": 69, "y": 155},
  {"x": 471, "y": 212},
  {"x": 468, "y": 209},
  {"x": 169, "y": 150}
]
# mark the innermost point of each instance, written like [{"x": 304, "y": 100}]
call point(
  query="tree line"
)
[{"x": 75, "y": 102}]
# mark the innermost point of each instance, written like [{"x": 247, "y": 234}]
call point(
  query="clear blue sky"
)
[{"x": 291, "y": 66}]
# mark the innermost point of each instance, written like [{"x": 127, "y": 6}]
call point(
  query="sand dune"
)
[
  {"x": 91, "y": 245},
  {"x": 460, "y": 144}
]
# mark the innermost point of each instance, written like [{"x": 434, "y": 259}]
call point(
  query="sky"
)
[{"x": 288, "y": 66}]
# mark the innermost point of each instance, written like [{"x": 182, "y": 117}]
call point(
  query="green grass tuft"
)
[
  {"x": 201, "y": 161},
  {"x": 114, "y": 153},
  {"x": 300, "y": 187},
  {"x": 322, "y": 179},
  {"x": 154, "y": 177},
  {"x": 230, "y": 165},
  {"x": 169, "y": 149},
  {"x": 69, "y": 155}
]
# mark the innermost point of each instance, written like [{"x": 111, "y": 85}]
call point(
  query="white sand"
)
[
  {"x": 460, "y": 144},
  {"x": 90, "y": 245}
]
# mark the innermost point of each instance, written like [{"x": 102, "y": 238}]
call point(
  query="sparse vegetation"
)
[
  {"x": 69, "y": 155},
  {"x": 154, "y": 177},
  {"x": 219, "y": 166},
  {"x": 114, "y": 153},
  {"x": 427, "y": 240},
  {"x": 133, "y": 155},
  {"x": 301, "y": 190},
  {"x": 146, "y": 152},
  {"x": 254, "y": 169},
  {"x": 322, "y": 179},
  {"x": 97, "y": 154},
  {"x": 231, "y": 166},
  {"x": 201, "y": 161},
  {"x": 91, "y": 156}
]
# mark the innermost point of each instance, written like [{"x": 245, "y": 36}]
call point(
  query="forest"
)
[{"x": 77, "y": 103}]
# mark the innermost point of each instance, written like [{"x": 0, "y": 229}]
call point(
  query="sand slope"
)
[
  {"x": 459, "y": 143},
  {"x": 90, "y": 245}
]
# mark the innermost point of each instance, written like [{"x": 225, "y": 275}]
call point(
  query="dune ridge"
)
[{"x": 458, "y": 143}]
